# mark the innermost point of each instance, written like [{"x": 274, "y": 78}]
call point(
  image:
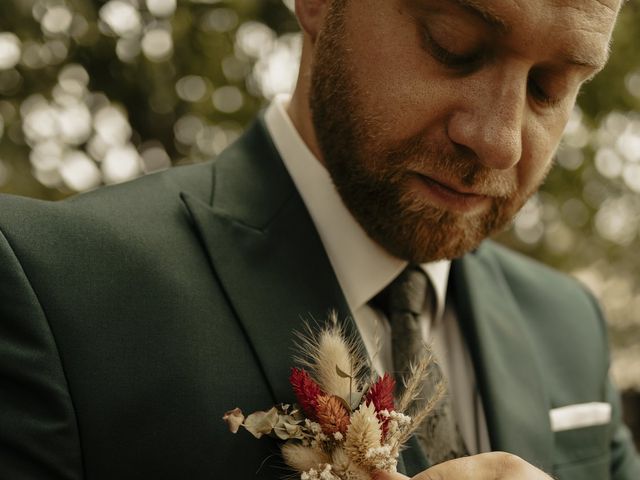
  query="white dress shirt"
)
[{"x": 363, "y": 269}]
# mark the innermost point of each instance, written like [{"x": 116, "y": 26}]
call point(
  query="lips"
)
[
  {"x": 451, "y": 188},
  {"x": 448, "y": 196}
]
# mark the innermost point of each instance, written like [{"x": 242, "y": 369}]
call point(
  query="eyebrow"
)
[
  {"x": 485, "y": 13},
  {"x": 577, "y": 58}
]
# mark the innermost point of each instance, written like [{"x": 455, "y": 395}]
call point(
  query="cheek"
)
[
  {"x": 540, "y": 142},
  {"x": 394, "y": 78}
]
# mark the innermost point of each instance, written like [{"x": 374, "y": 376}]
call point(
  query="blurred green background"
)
[{"x": 99, "y": 92}]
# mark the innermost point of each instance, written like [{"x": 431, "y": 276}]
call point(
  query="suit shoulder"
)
[
  {"x": 146, "y": 212},
  {"x": 146, "y": 196},
  {"x": 146, "y": 192},
  {"x": 560, "y": 317},
  {"x": 558, "y": 302},
  {"x": 539, "y": 288},
  {"x": 525, "y": 272}
]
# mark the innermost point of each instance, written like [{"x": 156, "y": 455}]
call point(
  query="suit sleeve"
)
[
  {"x": 38, "y": 428},
  {"x": 625, "y": 463}
]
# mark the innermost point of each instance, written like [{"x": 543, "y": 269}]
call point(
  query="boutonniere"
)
[{"x": 346, "y": 423}]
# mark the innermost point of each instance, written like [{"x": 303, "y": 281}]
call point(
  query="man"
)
[{"x": 134, "y": 316}]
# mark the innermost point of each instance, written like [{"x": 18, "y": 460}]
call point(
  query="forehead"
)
[
  {"x": 581, "y": 28},
  {"x": 531, "y": 11}
]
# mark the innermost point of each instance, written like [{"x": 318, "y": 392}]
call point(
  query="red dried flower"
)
[
  {"x": 307, "y": 391},
  {"x": 381, "y": 395}
]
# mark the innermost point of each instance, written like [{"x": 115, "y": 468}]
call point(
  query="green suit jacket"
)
[{"x": 133, "y": 317}]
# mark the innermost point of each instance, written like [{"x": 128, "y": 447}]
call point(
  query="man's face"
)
[{"x": 438, "y": 119}]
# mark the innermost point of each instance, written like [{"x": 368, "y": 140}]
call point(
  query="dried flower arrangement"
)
[{"x": 346, "y": 423}]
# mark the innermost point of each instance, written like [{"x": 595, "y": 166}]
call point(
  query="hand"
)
[{"x": 485, "y": 466}]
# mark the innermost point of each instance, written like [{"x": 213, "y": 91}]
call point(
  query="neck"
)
[{"x": 299, "y": 110}]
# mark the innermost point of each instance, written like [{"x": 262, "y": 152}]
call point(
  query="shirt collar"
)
[{"x": 363, "y": 268}]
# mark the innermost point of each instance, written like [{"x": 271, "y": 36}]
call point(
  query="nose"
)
[{"x": 489, "y": 121}]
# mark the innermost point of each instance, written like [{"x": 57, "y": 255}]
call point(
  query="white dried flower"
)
[
  {"x": 363, "y": 434},
  {"x": 381, "y": 458},
  {"x": 327, "y": 474},
  {"x": 323, "y": 473},
  {"x": 338, "y": 437},
  {"x": 397, "y": 425},
  {"x": 313, "y": 427},
  {"x": 401, "y": 418}
]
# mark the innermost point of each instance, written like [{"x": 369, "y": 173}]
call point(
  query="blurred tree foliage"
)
[{"x": 98, "y": 92}]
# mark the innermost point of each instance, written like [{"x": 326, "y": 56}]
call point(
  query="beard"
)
[{"x": 373, "y": 176}]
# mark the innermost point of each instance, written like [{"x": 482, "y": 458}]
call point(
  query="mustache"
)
[{"x": 450, "y": 164}]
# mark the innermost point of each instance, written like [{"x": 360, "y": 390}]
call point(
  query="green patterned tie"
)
[{"x": 404, "y": 301}]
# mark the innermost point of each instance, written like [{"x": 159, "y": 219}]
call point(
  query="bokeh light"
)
[
  {"x": 157, "y": 44},
  {"x": 162, "y": 8},
  {"x": 10, "y": 50},
  {"x": 121, "y": 18}
]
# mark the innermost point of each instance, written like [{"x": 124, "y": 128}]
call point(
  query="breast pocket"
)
[{"x": 582, "y": 453}]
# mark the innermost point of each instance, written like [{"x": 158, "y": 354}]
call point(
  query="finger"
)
[
  {"x": 493, "y": 465},
  {"x": 388, "y": 476},
  {"x": 460, "y": 468}
]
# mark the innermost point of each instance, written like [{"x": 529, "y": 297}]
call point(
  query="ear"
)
[{"x": 311, "y": 15}]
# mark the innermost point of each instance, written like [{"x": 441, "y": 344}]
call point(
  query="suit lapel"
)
[
  {"x": 266, "y": 253},
  {"x": 509, "y": 378},
  {"x": 268, "y": 257}
]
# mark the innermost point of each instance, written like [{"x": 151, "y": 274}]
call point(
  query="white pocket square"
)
[{"x": 580, "y": 415}]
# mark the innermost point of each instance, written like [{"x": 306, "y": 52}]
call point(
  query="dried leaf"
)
[
  {"x": 234, "y": 419},
  {"x": 288, "y": 428},
  {"x": 261, "y": 423},
  {"x": 341, "y": 373},
  {"x": 356, "y": 400}
]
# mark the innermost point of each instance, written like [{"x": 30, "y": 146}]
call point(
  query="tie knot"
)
[{"x": 408, "y": 292}]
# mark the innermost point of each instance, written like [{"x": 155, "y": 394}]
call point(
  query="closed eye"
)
[{"x": 448, "y": 58}]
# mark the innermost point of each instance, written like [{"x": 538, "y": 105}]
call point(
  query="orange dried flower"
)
[{"x": 333, "y": 415}]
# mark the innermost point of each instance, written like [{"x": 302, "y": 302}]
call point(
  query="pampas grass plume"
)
[
  {"x": 423, "y": 411},
  {"x": 333, "y": 352},
  {"x": 302, "y": 458},
  {"x": 414, "y": 383},
  {"x": 321, "y": 353},
  {"x": 345, "y": 468}
]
